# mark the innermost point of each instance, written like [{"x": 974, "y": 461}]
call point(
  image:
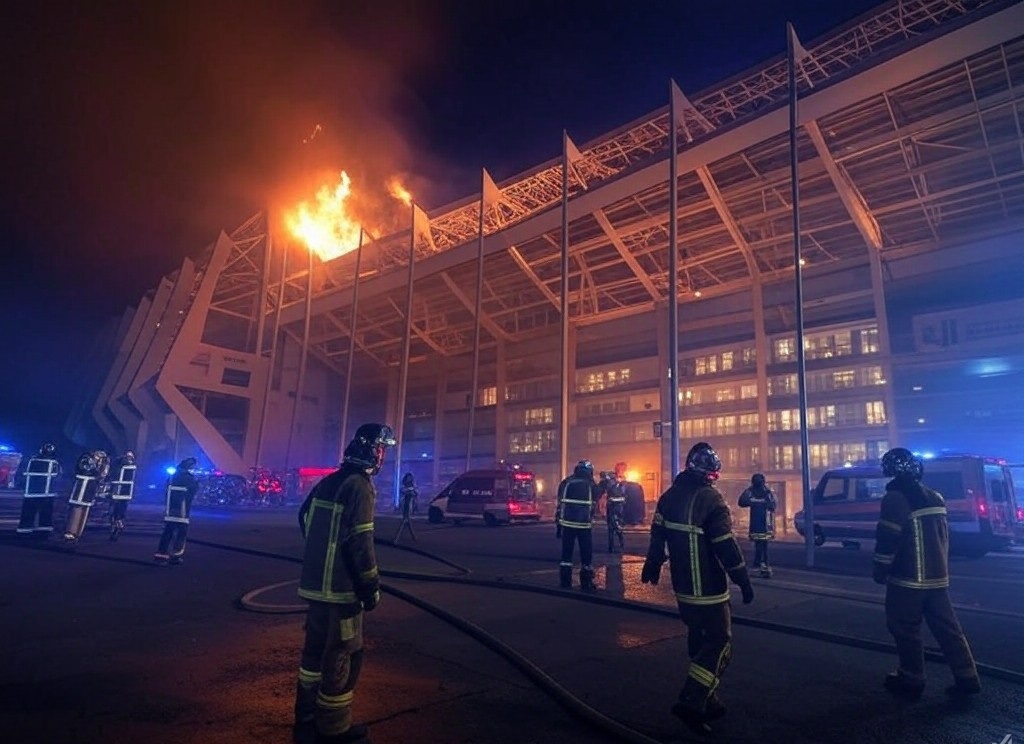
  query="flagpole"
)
[
  {"x": 563, "y": 438},
  {"x": 476, "y": 331},
  {"x": 794, "y": 168},
  {"x": 303, "y": 357},
  {"x": 351, "y": 348},
  {"x": 673, "y": 280},
  {"x": 403, "y": 375}
]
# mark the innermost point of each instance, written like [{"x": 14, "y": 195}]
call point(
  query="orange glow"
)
[
  {"x": 326, "y": 226},
  {"x": 398, "y": 191}
]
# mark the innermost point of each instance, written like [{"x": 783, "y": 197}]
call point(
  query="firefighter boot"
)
[
  {"x": 565, "y": 577},
  {"x": 766, "y": 571},
  {"x": 587, "y": 580},
  {"x": 903, "y": 688}
]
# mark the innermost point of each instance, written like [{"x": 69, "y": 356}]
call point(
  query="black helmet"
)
[
  {"x": 367, "y": 446},
  {"x": 186, "y": 465},
  {"x": 408, "y": 479},
  {"x": 94, "y": 463},
  {"x": 584, "y": 469},
  {"x": 703, "y": 461},
  {"x": 757, "y": 480},
  {"x": 49, "y": 449},
  {"x": 129, "y": 458},
  {"x": 902, "y": 462}
]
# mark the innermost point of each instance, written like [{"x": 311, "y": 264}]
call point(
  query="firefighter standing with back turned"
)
[
  {"x": 90, "y": 470},
  {"x": 341, "y": 581},
  {"x": 911, "y": 559},
  {"x": 693, "y": 521},
  {"x": 122, "y": 488},
  {"x": 37, "y": 503},
  {"x": 181, "y": 489},
  {"x": 574, "y": 515},
  {"x": 761, "y": 502}
]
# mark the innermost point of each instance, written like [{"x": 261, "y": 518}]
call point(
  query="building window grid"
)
[
  {"x": 593, "y": 382},
  {"x": 526, "y": 442}
]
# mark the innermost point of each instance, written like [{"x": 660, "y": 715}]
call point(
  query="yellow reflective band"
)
[
  {"x": 347, "y": 629},
  {"x": 741, "y": 564},
  {"x": 883, "y": 558},
  {"x": 702, "y": 675},
  {"x": 683, "y": 527},
  {"x": 698, "y": 600},
  {"x": 577, "y": 501},
  {"x": 308, "y": 677},
  {"x": 918, "y": 549},
  {"x": 364, "y": 527},
  {"x": 328, "y": 596},
  {"x": 576, "y": 525},
  {"x": 370, "y": 573},
  {"x": 658, "y": 519},
  {"x": 922, "y": 584},
  {"x": 890, "y": 525},
  {"x": 720, "y": 538},
  {"x": 930, "y": 511},
  {"x": 334, "y": 702}
]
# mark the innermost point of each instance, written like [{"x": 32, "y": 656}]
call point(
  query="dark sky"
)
[{"x": 132, "y": 132}]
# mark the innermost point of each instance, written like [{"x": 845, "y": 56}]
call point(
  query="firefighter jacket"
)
[
  {"x": 40, "y": 472},
  {"x": 912, "y": 537},
  {"x": 181, "y": 489},
  {"x": 576, "y": 499},
  {"x": 692, "y": 520},
  {"x": 122, "y": 488},
  {"x": 339, "y": 565},
  {"x": 761, "y": 502}
]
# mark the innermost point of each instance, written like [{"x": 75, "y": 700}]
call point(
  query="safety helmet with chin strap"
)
[{"x": 366, "y": 450}]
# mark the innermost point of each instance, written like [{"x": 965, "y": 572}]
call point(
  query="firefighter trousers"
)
[
  {"x": 760, "y": 552},
  {"x": 406, "y": 524},
  {"x": 904, "y": 610},
  {"x": 332, "y": 657},
  {"x": 613, "y": 518},
  {"x": 36, "y": 515},
  {"x": 709, "y": 643},
  {"x": 119, "y": 510},
  {"x": 172, "y": 541},
  {"x": 74, "y": 522},
  {"x": 585, "y": 537}
]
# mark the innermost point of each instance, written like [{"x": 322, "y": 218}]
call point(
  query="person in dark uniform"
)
[
  {"x": 41, "y": 471},
  {"x": 340, "y": 580},
  {"x": 407, "y": 496},
  {"x": 181, "y": 490},
  {"x": 693, "y": 522},
  {"x": 574, "y": 522},
  {"x": 911, "y": 559},
  {"x": 90, "y": 470},
  {"x": 614, "y": 509},
  {"x": 761, "y": 502},
  {"x": 122, "y": 489}
]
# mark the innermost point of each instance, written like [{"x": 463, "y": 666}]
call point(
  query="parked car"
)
[
  {"x": 496, "y": 495},
  {"x": 980, "y": 503}
]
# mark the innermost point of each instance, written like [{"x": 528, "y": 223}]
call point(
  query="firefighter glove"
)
[
  {"x": 652, "y": 571},
  {"x": 748, "y": 593},
  {"x": 370, "y": 601}
]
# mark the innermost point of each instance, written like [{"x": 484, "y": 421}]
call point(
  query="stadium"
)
[{"x": 259, "y": 353}]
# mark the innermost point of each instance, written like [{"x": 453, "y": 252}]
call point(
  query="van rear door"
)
[{"x": 999, "y": 489}]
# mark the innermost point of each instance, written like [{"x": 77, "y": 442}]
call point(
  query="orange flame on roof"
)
[
  {"x": 398, "y": 191},
  {"x": 326, "y": 226}
]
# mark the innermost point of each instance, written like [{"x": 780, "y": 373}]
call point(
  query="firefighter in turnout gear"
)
[
  {"x": 340, "y": 581},
  {"x": 693, "y": 522},
  {"x": 122, "y": 488},
  {"x": 181, "y": 489},
  {"x": 407, "y": 496},
  {"x": 574, "y": 514},
  {"x": 37, "y": 503},
  {"x": 614, "y": 508},
  {"x": 761, "y": 502},
  {"x": 911, "y": 559},
  {"x": 90, "y": 470}
]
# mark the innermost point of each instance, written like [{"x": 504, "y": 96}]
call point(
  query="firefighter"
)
[
  {"x": 90, "y": 470},
  {"x": 911, "y": 559},
  {"x": 574, "y": 514},
  {"x": 693, "y": 522},
  {"x": 761, "y": 502},
  {"x": 122, "y": 488},
  {"x": 37, "y": 503},
  {"x": 181, "y": 489},
  {"x": 407, "y": 496},
  {"x": 340, "y": 581},
  {"x": 615, "y": 505}
]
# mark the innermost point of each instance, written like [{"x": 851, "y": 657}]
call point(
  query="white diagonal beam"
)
[
  {"x": 420, "y": 334},
  {"x": 532, "y": 276},
  {"x": 851, "y": 197},
  {"x": 493, "y": 328},
  {"x": 627, "y": 257}
]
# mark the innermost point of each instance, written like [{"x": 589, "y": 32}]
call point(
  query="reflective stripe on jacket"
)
[
  {"x": 575, "y": 506},
  {"x": 122, "y": 488},
  {"x": 912, "y": 537},
  {"x": 761, "y": 502},
  {"x": 339, "y": 565},
  {"x": 181, "y": 489},
  {"x": 39, "y": 475},
  {"x": 692, "y": 520}
]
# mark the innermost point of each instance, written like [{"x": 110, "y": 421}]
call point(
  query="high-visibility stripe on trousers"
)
[{"x": 332, "y": 657}]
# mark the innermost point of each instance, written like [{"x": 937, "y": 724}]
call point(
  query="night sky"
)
[{"x": 134, "y": 131}]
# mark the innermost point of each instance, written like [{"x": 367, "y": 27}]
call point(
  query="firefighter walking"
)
[
  {"x": 340, "y": 581},
  {"x": 693, "y": 522},
  {"x": 574, "y": 514},
  {"x": 90, "y": 470},
  {"x": 911, "y": 559},
  {"x": 37, "y": 502},
  {"x": 181, "y": 490},
  {"x": 407, "y": 497},
  {"x": 122, "y": 489},
  {"x": 761, "y": 502},
  {"x": 615, "y": 507}
]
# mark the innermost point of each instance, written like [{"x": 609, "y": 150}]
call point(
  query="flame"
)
[
  {"x": 326, "y": 226},
  {"x": 398, "y": 191}
]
